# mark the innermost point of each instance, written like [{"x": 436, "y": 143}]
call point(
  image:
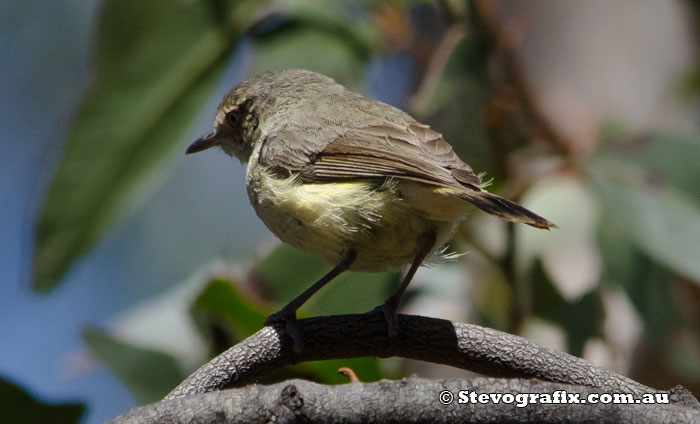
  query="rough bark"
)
[
  {"x": 412, "y": 400},
  {"x": 465, "y": 346},
  {"x": 529, "y": 368}
]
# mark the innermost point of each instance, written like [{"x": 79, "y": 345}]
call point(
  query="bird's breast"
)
[{"x": 328, "y": 219}]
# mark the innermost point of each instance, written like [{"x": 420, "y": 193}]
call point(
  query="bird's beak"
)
[{"x": 210, "y": 140}]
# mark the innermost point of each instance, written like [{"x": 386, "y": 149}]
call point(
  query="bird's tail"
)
[{"x": 504, "y": 208}]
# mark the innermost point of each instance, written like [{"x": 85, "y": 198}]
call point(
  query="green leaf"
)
[
  {"x": 148, "y": 374},
  {"x": 666, "y": 158},
  {"x": 547, "y": 302},
  {"x": 353, "y": 292},
  {"x": 646, "y": 283},
  {"x": 338, "y": 18},
  {"x": 223, "y": 300},
  {"x": 288, "y": 272},
  {"x": 649, "y": 289},
  {"x": 619, "y": 256},
  {"x": 580, "y": 319},
  {"x": 155, "y": 63},
  {"x": 319, "y": 49},
  {"x": 340, "y": 31},
  {"x": 454, "y": 106},
  {"x": 660, "y": 221},
  {"x": 492, "y": 297},
  {"x": 17, "y": 406}
]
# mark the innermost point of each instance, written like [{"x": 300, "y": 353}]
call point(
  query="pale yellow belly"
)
[{"x": 383, "y": 225}]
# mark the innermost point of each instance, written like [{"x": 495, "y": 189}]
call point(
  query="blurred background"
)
[{"x": 125, "y": 265}]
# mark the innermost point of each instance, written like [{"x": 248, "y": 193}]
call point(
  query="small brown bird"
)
[{"x": 351, "y": 180}]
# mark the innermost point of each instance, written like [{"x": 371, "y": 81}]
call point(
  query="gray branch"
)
[
  {"x": 412, "y": 400},
  {"x": 465, "y": 346},
  {"x": 532, "y": 369}
]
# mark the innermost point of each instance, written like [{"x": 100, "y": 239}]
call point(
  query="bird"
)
[{"x": 351, "y": 180}]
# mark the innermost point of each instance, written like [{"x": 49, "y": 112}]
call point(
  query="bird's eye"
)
[{"x": 232, "y": 119}]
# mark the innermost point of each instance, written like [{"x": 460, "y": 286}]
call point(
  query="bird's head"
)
[
  {"x": 271, "y": 97},
  {"x": 234, "y": 126}
]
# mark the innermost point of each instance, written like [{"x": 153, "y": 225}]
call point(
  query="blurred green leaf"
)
[
  {"x": 491, "y": 293},
  {"x": 17, "y": 406},
  {"x": 353, "y": 292},
  {"x": 645, "y": 282},
  {"x": 619, "y": 256},
  {"x": 155, "y": 63},
  {"x": 223, "y": 300},
  {"x": 454, "y": 106},
  {"x": 579, "y": 319},
  {"x": 666, "y": 158},
  {"x": 650, "y": 292},
  {"x": 658, "y": 220},
  {"x": 308, "y": 47},
  {"x": 547, "y": 302},
  {"x": 225, "y": 303},
  {"x": 452, "y": 77},
  {"x": 148, "y": 374},
  {"x": 287, "y": 272},
  {"x": 341, "y": 19}
]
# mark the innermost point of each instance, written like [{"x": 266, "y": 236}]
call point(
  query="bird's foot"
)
[
  {"x": 391, "y": 315},
  {"x": 289, "y": 317}
]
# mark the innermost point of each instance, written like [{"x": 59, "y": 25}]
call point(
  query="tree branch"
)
[
  {"x": 465, "y": 346},
  {"x": 409, "y": 400}
]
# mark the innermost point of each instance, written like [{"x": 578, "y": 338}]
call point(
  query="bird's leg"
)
[
  {"x": 288, "y": 313},
  {"x": 391, "y": 305}
]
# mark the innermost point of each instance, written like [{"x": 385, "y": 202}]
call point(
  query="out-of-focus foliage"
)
[
  {"x": 17, "y": 406},
  {"x": 649, "y": 190},
  {"x": 640, "y": 238},
  {"x": 149, "y": 374},
  {"x": 228, "y": 316},
  {"x": 274, "y": 273},
  {"x": 155, "y": 62},
  {"x": 454, "y": 104},
  {"x": 223, "y": 303}
]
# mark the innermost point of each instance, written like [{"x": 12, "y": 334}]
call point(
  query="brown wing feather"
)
[
  {"x": 349, "y": 137},
  {"x": 412, "y": 152}
]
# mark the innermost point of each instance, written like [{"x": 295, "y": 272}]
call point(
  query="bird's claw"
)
[
  {"x": 392, "y": 319},
  {"x": 290, "y": 326}
]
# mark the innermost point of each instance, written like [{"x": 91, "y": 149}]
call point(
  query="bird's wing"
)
[
  {"x": 383, "y": 150},
  {"x": 378, "y": 150}
]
